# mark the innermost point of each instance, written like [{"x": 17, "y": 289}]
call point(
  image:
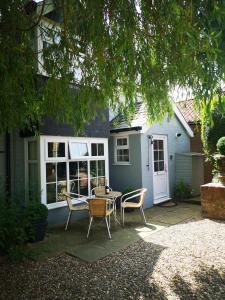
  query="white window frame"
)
[
  {"x": 44, "y": 159},
  {"x": 55, "y": 158},
  {"x": 116, "y": 147},
  {"x": 81, "y": 142}
]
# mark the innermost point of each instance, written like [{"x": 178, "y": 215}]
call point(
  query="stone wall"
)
[{"x": 213, "y": 201}]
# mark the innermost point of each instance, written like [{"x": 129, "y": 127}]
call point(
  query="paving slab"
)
[{"x": 74, "y": 242}]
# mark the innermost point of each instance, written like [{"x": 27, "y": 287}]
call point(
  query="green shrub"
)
[
  {"x": 221, "y": 145},
  {"x": 36, "y": 211},
  {"x": 13, "y": 235},
  {"x": 214, "y": 128},
  {"x": 16, "y": 223},
  {"x": 182, "y": 190}
]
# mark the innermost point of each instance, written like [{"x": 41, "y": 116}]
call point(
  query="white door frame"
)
[{"x": 165, "y": 139}]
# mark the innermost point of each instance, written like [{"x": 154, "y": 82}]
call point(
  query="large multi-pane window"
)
[{"x": 72, "y": 165}]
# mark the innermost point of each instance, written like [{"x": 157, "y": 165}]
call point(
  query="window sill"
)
[
  {"x": 122, "y": 164},
  {"x": 60, "y": 204}
]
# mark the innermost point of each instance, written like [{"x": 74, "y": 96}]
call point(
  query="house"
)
[
  {"x": 57, "y": 159},
  {"x": 192, "y": 117},
  {"x": 143, "y": 155}
]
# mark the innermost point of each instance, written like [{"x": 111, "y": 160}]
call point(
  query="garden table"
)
[{"x": 113, "y": 195}]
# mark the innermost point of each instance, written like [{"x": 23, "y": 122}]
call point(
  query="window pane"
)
[
  {"x": 100, "y": 149},
  {"x": 122, "y": 142},
  {"x": 73, "y": 170},
  {"x": 78, "y": 149},
  {"x": 83, "y": 171},
  {"x": 155, "y": 144},
  {"x": 156, "y": 166},
  {"x": 56, "y": 149},
  {"x": 74, "y": 186},
  {"x": 61, "y": 171},
  {"x": 51, "y": 193},
  {"x": 101, "y": 168},
  {"x": 155, "y": 155},
  {"x": 32, "y": 150},
  {"x": 161, "y": 155},
  {"x": 50, "y": 172},
  {"x": 84, "y": 186},
  {"x": 123, "y": 155},
  {"x": 94, "y": 149},
  {"x": 161, "y": 166},
  {"x": 160, "y": 144},
  {"x": 94, "y": 182},
  {"x": 61, "y": 188},
  {"x": 93, "y": 168},
  {"x": 101, "y": 181}
]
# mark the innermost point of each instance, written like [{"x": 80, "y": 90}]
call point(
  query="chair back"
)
[
  {"x": 98, "y": 207},
  {"x": 68, "y": 199},
  {"x": 142, "y": 196},
  {"x": 99, "y": 190}
]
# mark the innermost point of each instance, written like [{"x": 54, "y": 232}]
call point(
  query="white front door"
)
[{"x": 160, "y": 169}]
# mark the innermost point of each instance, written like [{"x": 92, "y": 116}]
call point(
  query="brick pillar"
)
[{"x": 213, "y": 200}]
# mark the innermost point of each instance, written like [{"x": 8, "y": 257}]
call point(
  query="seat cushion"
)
[
  {"x": 130, "y": 204},
  {"x": 80, "y": 207}
]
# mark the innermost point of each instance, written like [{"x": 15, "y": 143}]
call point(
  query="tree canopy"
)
[{"x": 122, "y": 49}]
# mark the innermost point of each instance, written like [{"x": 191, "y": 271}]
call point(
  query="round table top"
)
[{"x": 111, "y": 194}]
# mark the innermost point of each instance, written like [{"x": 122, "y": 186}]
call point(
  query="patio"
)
[
  {"x": 178, "y": 255},
  {"x": 74, "y": 242}
]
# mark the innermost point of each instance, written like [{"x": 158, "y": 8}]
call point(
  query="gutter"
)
[{"x": 137, "y": 128}]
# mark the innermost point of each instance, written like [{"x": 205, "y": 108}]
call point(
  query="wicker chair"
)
[
  {"x": 79, "y": 205},
  {"x": 100, "y": 208},
  {"x": 125, "y": 202}
]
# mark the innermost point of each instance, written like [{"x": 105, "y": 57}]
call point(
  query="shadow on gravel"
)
[{"x": 210, "y": 285}]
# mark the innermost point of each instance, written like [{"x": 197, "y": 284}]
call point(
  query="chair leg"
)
[
  {"x": 123, "y": 216},
  {"x": 89, "y": 227},
  {"x": 68, "y": 219},
  {"x": 107, "y": 227},
  {"x": 142, "y": 211},
  {"x": 109, "y": 222}
]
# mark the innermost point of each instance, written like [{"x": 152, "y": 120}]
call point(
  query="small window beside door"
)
[{"x": 122, "y": 151}]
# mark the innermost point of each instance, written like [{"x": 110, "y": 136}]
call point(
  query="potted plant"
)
[
  {"x": 36, "y": 215},
  {"x": 220, "y": 159},
  {"x": 182, "y": 190}
]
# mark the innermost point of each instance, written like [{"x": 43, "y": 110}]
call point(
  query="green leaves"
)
[{"x": 109, "y": 53}]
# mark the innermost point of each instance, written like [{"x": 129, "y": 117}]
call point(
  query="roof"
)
[
  {"x": 188, "y": 110},
  {"x": 119, "y": 123}
]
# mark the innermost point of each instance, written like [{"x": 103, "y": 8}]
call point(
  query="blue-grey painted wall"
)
[
  {"x": 138, "y": 174},
  {"x": 175, "y": 145},
  {"x": 122, "y": 176}
]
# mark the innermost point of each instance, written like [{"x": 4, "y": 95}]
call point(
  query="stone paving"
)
[{"x": 74, "y": 242}]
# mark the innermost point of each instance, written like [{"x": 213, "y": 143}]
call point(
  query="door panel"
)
[{"x": 160, "y": 169}]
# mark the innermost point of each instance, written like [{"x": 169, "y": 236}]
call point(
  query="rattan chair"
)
[
  {"x": 100, "y": 208},
  {"x": 125, "y": 202},
  {"x": 79, "y": 205}
]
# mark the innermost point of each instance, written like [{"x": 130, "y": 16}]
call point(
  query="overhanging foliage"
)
[{"x": 123, "y": 49}]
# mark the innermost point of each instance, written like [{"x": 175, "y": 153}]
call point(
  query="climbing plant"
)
[{"x": 121, "y": 49}]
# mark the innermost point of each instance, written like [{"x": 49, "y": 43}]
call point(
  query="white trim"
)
[
  {"x": 165, "y": 138},
  {"x": 182, "y": 120},
  {"x": 122, "y": 147},
  {"x": 44, "y": 159}
]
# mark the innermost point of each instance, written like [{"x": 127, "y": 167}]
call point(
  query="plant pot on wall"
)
[{"x": 220, "y": 160}]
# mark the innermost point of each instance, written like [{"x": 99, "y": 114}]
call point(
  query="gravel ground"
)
[{"x": 185, "y": 261}]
